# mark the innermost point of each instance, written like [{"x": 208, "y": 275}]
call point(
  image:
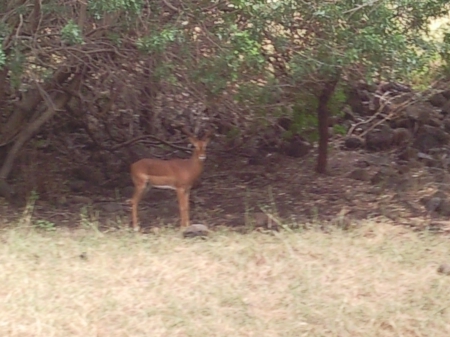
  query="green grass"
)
[{"x": 376, "y": 280}]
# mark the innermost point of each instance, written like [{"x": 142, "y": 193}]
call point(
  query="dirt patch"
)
[{"x": 231, "y": 190}]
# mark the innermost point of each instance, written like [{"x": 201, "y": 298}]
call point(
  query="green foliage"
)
[
  {"x": 213, "y": 73},
  {"x": 304, "y": 113},
  {"x": 4, "y": 31},
  {"x": 337, "y": 101},
  {"x": 2, "y": 57},
  {"x": 16, "y": 63},
  {"x": 164, "y": 71},
  {"x": 256, "y": 93},
  {"x": 240, "y": 55},
  {"x": 313, "y": 41},
  {"x": 233, "y": 133},
  {"x": 45, "y": 225},
  {"x": 273, "y": 54},
  {"x": 246, "y": 50},
  {"x": 444, "y": 50},
  {"x": 71, "y": 33},
  {"x": 339, "y": 129},
  {"x": 100, "y": 7},
  {"x": 304, "y": 117},
  {"x": 387, "y": 38},
  {"x": 115, "y": 38},
  {"x": 159, "y": 41}
]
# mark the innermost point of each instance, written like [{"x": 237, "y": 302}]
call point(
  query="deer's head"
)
[{"x": 200, "y": 144}]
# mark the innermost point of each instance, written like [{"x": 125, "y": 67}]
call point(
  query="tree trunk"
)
[
  {"x": 28, "y": 131},
  {"x": 322, "y": 115},
  {"x": 28, "y": 105},
  {"x": 3, "y": 91}
]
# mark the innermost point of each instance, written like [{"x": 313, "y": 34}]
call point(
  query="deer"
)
[{"x": 175, "y": 174}]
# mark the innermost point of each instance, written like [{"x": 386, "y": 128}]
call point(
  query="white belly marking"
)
[{"x": 168, "y": 187}]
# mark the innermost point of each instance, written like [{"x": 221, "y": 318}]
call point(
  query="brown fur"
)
[{"x": 177, "y": 174}]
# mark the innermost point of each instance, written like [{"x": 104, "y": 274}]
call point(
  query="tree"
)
[
  {"x": 315, "y": 45},
  {"x": 108, "y": 65}
]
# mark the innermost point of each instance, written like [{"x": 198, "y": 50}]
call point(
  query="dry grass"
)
[{"x": 376, "y": 280}]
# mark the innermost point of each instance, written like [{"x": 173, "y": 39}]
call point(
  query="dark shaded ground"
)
[{"x": 231, "y": 190}]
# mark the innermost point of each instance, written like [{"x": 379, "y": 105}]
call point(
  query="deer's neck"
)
[{"x": 196, "y": 163}]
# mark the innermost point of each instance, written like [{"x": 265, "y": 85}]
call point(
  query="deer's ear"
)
[{"x": 193, "y": 140}]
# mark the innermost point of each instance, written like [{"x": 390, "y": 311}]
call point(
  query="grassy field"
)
[{"x": 375, "y": 280}]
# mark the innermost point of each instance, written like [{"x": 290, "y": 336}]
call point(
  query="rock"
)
[
  {"x": 296, "y": 148},
  {"x": 79, "y": 199},
  {"x": 348, "y": 113},
  {"x": 256, "y": 160},
  {"x": 438, "y": 194},
  {"x": 195, "y": 230},
  {"x": 403, "y": 167},
  {"x": 394, "y": 86},
  {"x": 401, "y": 184},
  {"x": 359, "y": 174},
  {"x": 446, "y": 123},
  {"x": 87, "y": 173},
  {"x": 247, "y": 176},
  {"x": 425, "y": 156},
  {"x": 444, "y": 207},
  {"x": 343, "y": 222},
  {"x": 270, "y": 141},
  {"x": 444, "y": 269},
  {"x": 379, "y": 139},
  {"x": 262, "y": 220},
  {"x": 440, "y": 134},
  {"x": 424, "y": 117},
  {"x": 128, "y": 191},
  {"x": 110, "y": 207},
  {"x": 331, "y": 132},
  {"x": 61, "y": 201},
  {"x": 77, "y": 185},
  {"x": 437, "y": 100},
  {"x": 6, "y": 190},
  {"x": 361, "y": 163},
  {"x": 443, "y": 179},
  {"x": 424, "y": 199},
  {"x": 197, "y": 184},
  {"x": 402, "y": 122},
  {"x": 408, "y": 154},
  {"x": 352, "y": 143},
  {"x": 356, "y": 104},
  {"x": 446, "y": 108},
  {"x": 430, "y": 137},
  {"x": 433, "y": 163},
  {"x": 424, "y": 142},
  {"x": 419, "y": 112},
  {"x": 433, "y": 204},
  {"x": 402, "y": 136},
  {"x": 437, "y": 202},
  {"x": 332, "y": 121},
  {"x": 383, "y": 175},
  {"x": 285, "y": 123},
  {"x": 436, "y": 122}
]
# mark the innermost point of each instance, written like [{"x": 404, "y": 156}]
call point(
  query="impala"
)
[{"x": 176, "y": 174}]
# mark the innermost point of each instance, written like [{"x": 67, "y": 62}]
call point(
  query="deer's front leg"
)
[{"x": 183, "y": 203}]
